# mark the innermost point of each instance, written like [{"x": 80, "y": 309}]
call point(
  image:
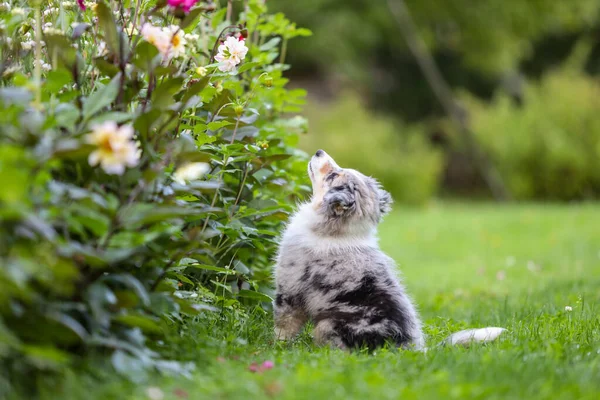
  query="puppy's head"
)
[{"x": 345, "y": 197}]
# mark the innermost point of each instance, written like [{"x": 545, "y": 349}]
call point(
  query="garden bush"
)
[
  {"x": 398, "y": 155},
  {"x": 147, "y": 160},
  {"x": 548, "y": 148}
]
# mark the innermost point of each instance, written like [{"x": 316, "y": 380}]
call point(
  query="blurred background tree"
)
[{"x": 486, "y": 49}]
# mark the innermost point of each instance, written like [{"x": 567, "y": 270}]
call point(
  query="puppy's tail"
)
[{"x": 469, "y": 336}]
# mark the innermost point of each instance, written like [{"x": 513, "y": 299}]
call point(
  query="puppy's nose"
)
[{"x": 319, "y": 153}]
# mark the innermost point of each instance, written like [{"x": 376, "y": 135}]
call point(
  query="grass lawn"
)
[{"x": 466, "y": 265}]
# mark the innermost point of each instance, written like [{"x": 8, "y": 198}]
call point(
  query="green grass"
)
[{"x": 466, "y": 265}]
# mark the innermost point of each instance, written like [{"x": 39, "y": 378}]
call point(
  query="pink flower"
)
[
  {"x": 185, "y": 5},
  {"x": 81, "y": 5},
  {"x": 268, "y": 365}
]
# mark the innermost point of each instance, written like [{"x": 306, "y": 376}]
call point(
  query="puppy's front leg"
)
[{"x": 288, "y": 320}]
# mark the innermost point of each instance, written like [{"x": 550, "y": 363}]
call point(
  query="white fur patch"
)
[{"x": 300, "y": 232}]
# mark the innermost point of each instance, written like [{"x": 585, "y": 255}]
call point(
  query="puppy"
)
[{"x": 330, "y": 269}]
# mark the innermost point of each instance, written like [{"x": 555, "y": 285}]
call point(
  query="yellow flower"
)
[{"x": 115, "y": 147}]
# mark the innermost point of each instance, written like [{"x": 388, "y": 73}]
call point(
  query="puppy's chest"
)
[{"x": 321, "y": 271}]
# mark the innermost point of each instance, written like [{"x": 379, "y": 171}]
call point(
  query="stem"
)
[
  {"x": 237, "y": 199},
  {"x": 135, "y": 17},
  {"x": 237, "y": 123},
  {"x": 229, "y": 10},
  {"x": 214, "y": 50},
  {"x": 283, "y": 51},
  {"x": 38, "y": 55}
]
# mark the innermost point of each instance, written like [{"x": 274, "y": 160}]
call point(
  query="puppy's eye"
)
[{"x": 331, "y": 176}]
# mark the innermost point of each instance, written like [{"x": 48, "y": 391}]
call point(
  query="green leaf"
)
[
  {"x": 57, "y": 79},
  {"x": 15, "y": 95},
  {"x": 181, "y": 278},
  {"x": 191, "y": 19},
  {"x": 46, "y": 357},
  {"x": 106, "y": 67},
  {"x": 304, "y": 32},
  {"x": 66, "y": 115},
  {"x": 134, "y": 368},
  {"x": 271, "y": 44},
  {"x": 103, "y": 97},
  {"x": 218, "y": 17},
  {"x": 195, "y": 88},
  {"x": 215, "y": 125},
  {"x": 118, "y": 117},
  {"x": 213, "y": 268},
  {"x": 141, "y": 214},
  {"x": 251, "y": 294},
  {"x": 144, "y": 322},
  {"x": 133, "y": 283},
  {"x": 246, "y": 66},
  {"x": 108, "y": 26},
  {"x": 60, "y": 49},
  {"x": 70, "y": 323},
  {"x": 205, "y": 139},
  {"x": 146, "y": 57},
  {"x": 162, "y": 97}
]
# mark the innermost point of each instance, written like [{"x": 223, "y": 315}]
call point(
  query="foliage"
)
[
  {"x": 406, "y": 164},
  {"x": 548, "y": 148},
  {"x": 169, "y": 207}
]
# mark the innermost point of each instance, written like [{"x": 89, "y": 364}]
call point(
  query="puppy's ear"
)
[
  {"x": 385, "y": 201},
  {"x": 339, "y": 203}
]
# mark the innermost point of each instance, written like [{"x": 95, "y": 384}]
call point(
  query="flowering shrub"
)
[{"x": 146, "y": 159}]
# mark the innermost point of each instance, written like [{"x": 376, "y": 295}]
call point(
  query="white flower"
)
[
  {"x": 28, "y": 45},
  {"x": 190, "y": 172},
  {"x": 155, "y": 393},
  {"x": 177, "y": 42},
  {"x": 101, "y": 51},
  {"x": 116, "y": 149},
  {"x": 157, "y": 37},
  {"x": 131, "y": 30},
  {"x": 50, "y": 11},
  {"x": 45, "y": 66},
  {"x": 18, "y": 11},
  {"x": 568, "y": 308},
  {"x": 170, "y": 41},
  {"x": 192, "y": 37},
  {"x": 231, "y": 53},
  {"x": 53, "y": 31}
]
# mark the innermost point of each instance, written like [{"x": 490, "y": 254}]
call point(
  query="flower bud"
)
[
  {"x": 202, "y": 71},
  {"x": 239, "y": 109},
  {"x": 268, "y": 81}
]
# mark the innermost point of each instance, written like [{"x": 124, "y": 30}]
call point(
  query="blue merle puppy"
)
[{"x": 330, "y": 269}]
